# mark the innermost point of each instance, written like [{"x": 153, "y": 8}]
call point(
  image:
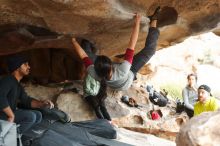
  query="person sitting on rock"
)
[
  {"x": 16, "y": 106},
  {"x": 190, "y": 95},
  {"x": 205, "y": 101}
]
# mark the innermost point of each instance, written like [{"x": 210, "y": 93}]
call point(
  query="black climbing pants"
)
[
  {"x": 142, "y": 57},
  {"x": 99, "y": 107}
]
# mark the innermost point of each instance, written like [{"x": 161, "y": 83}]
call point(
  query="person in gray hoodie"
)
[{"x": 190, "y": 94}]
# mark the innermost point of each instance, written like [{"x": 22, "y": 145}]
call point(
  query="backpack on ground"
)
[
  {"x": 155, "y": 114},
  {"x": 179, "y": 106},
  {"x": 157, "y": 98}
]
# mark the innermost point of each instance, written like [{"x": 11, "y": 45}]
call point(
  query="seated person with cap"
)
[
  {"x": 205, "y": 101},
  {"x": 15, "y": 105}
]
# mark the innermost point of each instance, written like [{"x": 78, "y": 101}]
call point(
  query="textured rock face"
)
[
  {"x": 139, "y": 139},
  {"x": 138, "y": 119},
  {"x": 135, "y": 119},
  {"x": 79, "y": 110},
  {"x": 49, "y": 24},
  {"x": 105, "y": 21},
  {"x": 200, "y": 131}
]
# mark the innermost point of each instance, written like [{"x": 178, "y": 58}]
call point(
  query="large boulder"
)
[
  {"x": 47, "y": 24},
  {"x": 50, "y": 24},
  {"x": 73, "y": 104},
  {"x": 202, "y": 130},
  {"x": 139, "y": 139},
  {"x": 100, "y": 20}
]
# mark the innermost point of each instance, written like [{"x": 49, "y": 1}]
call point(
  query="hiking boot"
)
[{"x": 155, "y": 14}]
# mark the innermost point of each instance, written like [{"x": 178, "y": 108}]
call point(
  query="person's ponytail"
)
[
  {"x": 103, "y": 68},
  {"x": 102, "y": 94}
]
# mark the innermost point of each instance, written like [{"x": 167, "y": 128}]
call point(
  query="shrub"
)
[{"x": 174, "y": 90}]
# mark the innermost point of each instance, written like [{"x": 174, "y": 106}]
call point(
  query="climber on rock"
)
[{"x": 104, "y": 73}]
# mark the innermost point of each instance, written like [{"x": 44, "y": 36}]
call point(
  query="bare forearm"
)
[
  {"x": 36, "y": 103},
  {"x": 78, "y": 49},
  {"x": 134, "y": 35},
  {"x": 9, "y": 113},
  {"x": 42, "y": 104}
]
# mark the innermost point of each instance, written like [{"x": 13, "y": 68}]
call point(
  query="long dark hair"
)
[
  {"x": 103, "y": 68},
  {"x": 189, "y": 75}
]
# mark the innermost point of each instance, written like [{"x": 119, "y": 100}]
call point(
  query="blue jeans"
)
[
  {"x": 141, "y": 58},
  {"x": 27, "y": 118}
]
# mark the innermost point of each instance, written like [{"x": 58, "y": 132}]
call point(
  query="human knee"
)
[
  {"x": 38, "y": 116},
  {"x": 30, "y": 117}
]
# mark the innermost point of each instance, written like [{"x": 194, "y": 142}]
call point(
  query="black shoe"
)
[{"x": 155, "y": 14}]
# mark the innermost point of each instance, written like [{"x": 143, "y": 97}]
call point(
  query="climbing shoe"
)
[{"x": 155, "y": 14}]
